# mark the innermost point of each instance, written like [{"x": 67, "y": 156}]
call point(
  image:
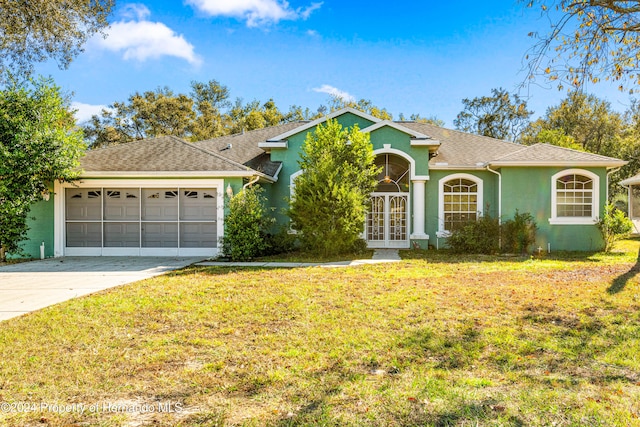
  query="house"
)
[
  {"x": 633, "y": 187},
  {"x": 165, "y": 196}
]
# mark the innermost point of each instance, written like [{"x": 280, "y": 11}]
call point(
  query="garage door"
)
[{"x": 145, "y": 221}]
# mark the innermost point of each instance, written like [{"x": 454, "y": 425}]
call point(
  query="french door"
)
[{"x": 387, "y": 223}]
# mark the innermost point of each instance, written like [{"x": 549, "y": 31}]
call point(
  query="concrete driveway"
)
[{"x": 34, "y": 285}]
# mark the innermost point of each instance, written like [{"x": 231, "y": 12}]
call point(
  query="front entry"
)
[{"x": 387, "y": 221}]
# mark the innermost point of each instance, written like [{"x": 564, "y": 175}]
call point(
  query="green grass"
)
[{"x": 434, "y": 340}]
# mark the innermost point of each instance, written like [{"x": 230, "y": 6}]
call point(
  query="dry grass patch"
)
[{"x": 430, "y": 341}]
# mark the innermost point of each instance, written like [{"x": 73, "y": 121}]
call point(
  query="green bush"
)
[
  {"x": 280, "y": 242},
  {"x": 518, "y": 233},
  {"x": 613, "y": 226},
  {"x": 246, "y": 225},
  {"x": 483, "y": 236},
  {"x": 476, "y": 237},
  {"x": 332, "y": 194}
]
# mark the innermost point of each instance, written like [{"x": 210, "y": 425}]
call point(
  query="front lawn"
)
[{"x": 437, "y": 341}]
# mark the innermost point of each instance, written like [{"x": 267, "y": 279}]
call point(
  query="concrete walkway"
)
[
  {"x": 30, "y": 286},
  {"x": 379, "y": 256}
]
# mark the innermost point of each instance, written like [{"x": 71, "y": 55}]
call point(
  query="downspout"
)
[
  {"x": 499, "y": 192},
  {"x": 251, "y": 182},
  {"x": 499, "y": 201}
]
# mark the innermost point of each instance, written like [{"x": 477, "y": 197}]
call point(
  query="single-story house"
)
[
  {"x": 633, "y": 187},
  {"x": 165, "y": 196}
]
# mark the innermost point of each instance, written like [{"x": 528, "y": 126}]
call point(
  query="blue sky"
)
[{"x": 410, "y": 57}]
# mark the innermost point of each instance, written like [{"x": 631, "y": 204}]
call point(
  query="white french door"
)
[{"x": 387, "y": 223}]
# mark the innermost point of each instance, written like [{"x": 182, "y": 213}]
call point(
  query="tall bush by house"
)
[
  {"x": 246, "y": 225},
  {"x": 331, "y": 195},
  {"x": 487, "y": 236},
  {"x": 39, "y": 144},
  {"x": 476, "y": 237},
  {"x": 614, "y": 225},
  {"x": 519, "y": 233}
]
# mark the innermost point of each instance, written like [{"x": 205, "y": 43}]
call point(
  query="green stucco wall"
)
[
  {"x": 41, "y": 228},
  {"x": 489, "y": 194},
  {"x": 529, "y": 190}
]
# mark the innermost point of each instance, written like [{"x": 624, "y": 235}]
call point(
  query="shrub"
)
[
  {"x": 518, "y": 233},
  {"x": 280, "y": 242},
  {"x": 613, "y": 226},
  {"x": 332, "y": 194},
  {"x": 246, "y": 225},
  {"x": 476, "y": 237}
]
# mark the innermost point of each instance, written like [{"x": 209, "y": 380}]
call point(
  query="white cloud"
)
[
  {"x": 335, "y": 92},
  {"x": 256, "y": 12},
  {"x": 85, "y": 111},
  {"x": 135, "y": 11},
  {"x": 140, "y": 39}
]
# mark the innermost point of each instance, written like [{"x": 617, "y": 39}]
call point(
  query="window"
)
[
  {"x": 574, "y": 197},
  {"x": 460, "y": 200}
]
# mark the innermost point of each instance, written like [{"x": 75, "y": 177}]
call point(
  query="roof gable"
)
[{"x": 333, "y": 115}]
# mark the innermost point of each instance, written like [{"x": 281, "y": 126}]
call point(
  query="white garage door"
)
[{"x": 140, "y": 221}]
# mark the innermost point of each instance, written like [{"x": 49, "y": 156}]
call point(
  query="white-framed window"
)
[
  {"x": 575, "y": 197},
  {"x": 460, "y": 200}
]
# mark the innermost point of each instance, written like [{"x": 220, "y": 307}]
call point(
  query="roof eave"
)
[
  {"x": 176, "y": 174},
  {"x": 566, "y": 163},
  {"x": 479, "y": 166}
]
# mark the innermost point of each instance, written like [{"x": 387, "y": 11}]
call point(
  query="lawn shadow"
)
[{"x": 619, "y": 283}]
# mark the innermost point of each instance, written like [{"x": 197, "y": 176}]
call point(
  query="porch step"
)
[{"x": 386, "y": 254}]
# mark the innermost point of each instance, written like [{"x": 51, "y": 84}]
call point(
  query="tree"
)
[
  {"x": 588, "y": 41},
  {"x": 581, "y": 121},
  {"x": 587, "y": 123},
  {"x": 39, "y": 143},
  {"x": 364, "y": 105},
  {"x": 501, "y": 115},
  {"x": 34, "y": 31},
  {"x": 204, "y": 113},
  {"x": 332, "y": 194}
]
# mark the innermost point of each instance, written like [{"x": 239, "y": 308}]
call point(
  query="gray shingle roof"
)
[
  {"x": 546, "y": 153},
  {"x": 460, "y": 149},
  {"x": 164, "y": 154},
  {"x": 243, "y": 147},
  {"x": 241, "y": 153}
]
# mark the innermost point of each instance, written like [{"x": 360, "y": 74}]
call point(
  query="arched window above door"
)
[{"x": 394, "y": 176}]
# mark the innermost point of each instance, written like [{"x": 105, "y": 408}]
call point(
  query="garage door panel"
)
[
  {"x": 84, "y": 234},
  {"x": 121, "y": 234},
  {"x": 159, "y": 204},
  {"x": 121, "y": 204},
  {"x": 198, "y": 204},
  {"x": 160, "y": 235},
  {"x": 198, "y": 235},
  {"x": 83, "y": 204}
]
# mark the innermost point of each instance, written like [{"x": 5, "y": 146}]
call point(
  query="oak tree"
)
[
  {"x": 39, "y": 143},
  {"x": 34, "y": 31},
  {"x": 501, "y": 115},
  {"x": 587, "y": 41}
]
